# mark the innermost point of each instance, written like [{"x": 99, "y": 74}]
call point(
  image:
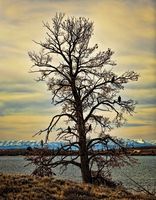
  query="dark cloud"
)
[
  {"x": 135, "y": 124},
  {"x": 141, "y": 86},
  {"x": 6, "y": 128},
  {"x": 34, "y": 107},
  {"x": 134, "y": 3},
  {"x": 147, "y": 100},
  {"x": 10, "y": 90},
  {"x": 2, "y": 113},
  {"x": 19, "y": 86}
]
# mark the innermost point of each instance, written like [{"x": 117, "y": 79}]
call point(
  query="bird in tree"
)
[
  {"x": 78, "y": 77},
  {"x": 90, "y": 127},
  {"x": 69, "y": 129},
  {"x": 119, "y": 99},
  {"x": 113, "y": 79}
]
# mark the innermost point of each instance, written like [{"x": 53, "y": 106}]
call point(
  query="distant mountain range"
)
[{"x": 21, "y": 144}]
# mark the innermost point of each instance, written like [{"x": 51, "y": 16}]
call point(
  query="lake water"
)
[{"x": 143, "y": 173}]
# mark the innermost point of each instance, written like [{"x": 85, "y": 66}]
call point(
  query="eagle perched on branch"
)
[
  {"x": 113, "y": 79},
  {"x": 90, "y": 127},
  {"x": 119, "y": 99},
  {"x": 69, "y": 129}
]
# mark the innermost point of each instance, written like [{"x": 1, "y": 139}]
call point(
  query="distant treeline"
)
[{"x": 141, "y": 151}]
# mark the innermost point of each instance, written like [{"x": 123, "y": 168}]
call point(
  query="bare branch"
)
[{"x": 82, "y": 82}]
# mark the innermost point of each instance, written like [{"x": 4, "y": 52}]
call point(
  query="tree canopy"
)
[{"x": 83, "y": 83}]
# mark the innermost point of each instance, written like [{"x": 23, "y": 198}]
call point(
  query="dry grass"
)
[{"x": 22, "y": 187}]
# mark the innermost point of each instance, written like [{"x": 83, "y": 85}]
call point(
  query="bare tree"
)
[{"x": 83, "y": 84}]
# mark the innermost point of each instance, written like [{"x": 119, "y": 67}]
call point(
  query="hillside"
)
[{"x": 21, "y": 187}]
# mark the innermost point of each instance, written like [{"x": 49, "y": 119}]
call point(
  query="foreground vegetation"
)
[{"x": 25, "y": 187}]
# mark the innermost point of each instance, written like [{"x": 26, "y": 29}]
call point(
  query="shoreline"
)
[{"x": 141, "y": 151}]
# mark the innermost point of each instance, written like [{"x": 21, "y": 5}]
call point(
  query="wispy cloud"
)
[{"x": 126, "y": 27}]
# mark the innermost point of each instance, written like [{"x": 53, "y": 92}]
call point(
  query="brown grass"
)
[{"x": 24, "y": 187}]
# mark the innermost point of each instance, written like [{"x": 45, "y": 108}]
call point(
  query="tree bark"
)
[
  {"x": 85, "y": 171},
  {"x": 86, "y": 174}
]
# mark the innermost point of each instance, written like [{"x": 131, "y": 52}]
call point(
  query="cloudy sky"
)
[{"x": 125, "y": 26}]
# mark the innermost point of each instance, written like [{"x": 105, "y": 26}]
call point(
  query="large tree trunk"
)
[
  {"x": 85, "y": 171},
  {"x": 86, "y": 174}
]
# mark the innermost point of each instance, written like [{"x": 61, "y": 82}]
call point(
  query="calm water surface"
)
[{"x": 144, "y": 172}]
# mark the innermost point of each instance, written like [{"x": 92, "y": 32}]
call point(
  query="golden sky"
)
[{"x": 125, "y": 26}]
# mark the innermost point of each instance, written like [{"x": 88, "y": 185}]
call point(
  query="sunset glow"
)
[{"x": 127, "y": 27}]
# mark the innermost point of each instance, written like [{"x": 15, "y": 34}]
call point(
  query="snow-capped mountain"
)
[
  {"x": 21, "y": 144},
  {"x": 139, "y": 143},
  {"x": 55, "y": 145}
]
